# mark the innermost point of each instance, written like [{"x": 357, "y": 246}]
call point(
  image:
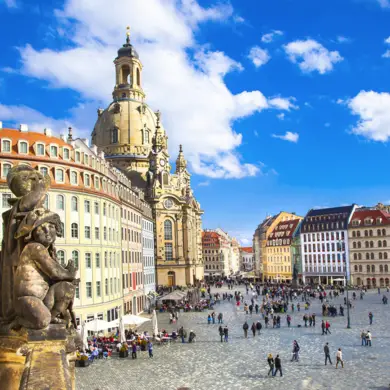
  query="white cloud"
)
[
  {"x": 259, "y": 56},
  {"x": 311, "y": 56},
  {"x": 10, "y": 3},
  {"x": 281, "y": 116},
  {"x": 373, "y": 108},
  {"x": 343, "y": 39},
  {"x": 384, "y": 3},
  {"x": 189, "y": 90},
  {"x": 269, "y": 37},
  {"x": 387, "y": 40},
  {"x": 289, "y": 136},
  {"x": 340, "y": 101},
  {"x": 239, "y": 19},
  {"x": 204, "y": 183},
  {"x": 387, "y": 52}
]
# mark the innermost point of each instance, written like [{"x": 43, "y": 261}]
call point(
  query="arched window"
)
[
  {"x": 372, "y": 256},
  {"x": 354, "y": 245},
  {"x": 115, "y": 135},
  {"x": 379, "y": 244},
  {"x": 167, "y": 229},
  {"x": 386, "y": 268},
  {"x": 125, "y": 75},
  {"x": 371, "y": 233},
  {"x": 358, "y": 233},
  {"x": 368, "y": 268},
  {"x": 366, "y": 244},
  {"x": 384, "y": 244},
  {"x": 61, "y": 257},
  {"x": 360, "y": 268},
  {"x": 385, "y": 255},
  {"x": 356, "y": 268},
  {"x": 380, "y": 255},
  {"x": 359, "y": 244},
  {"x": 6, "y": 169},
  {"x": 74, "y": 204},
  {"x": 6, "y": 146},
  {"x": 359, "y": 256},
  {"x": 373, "y": 268},
  {"x": 353, "y": 234},
  {"x": 165, "y": 178},
  {"x": 138, "y": 78},
  {"x": 145, "y": 136},
  {"x": 75, "y": 258},
  {"x": 366, "y": 233},
  {"x": 381, "y": 268},
  {"x": 367, "y": 256},
  {"x": 378, "y": 232},
  {"x": 355, "y": 256},
  {"x": 74, "y": 230},
  {"x": 60, "y": 202},
  {"x": 383, "y": 232},
  {"x": 371, "y": 244}
]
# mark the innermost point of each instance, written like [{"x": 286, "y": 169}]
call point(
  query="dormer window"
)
[
  {"x": 85, "y": 159},
  {"x": 368, "y": 221},
  {"x": 77, "y": 157},
  {"x": 60, "y": 175},
  {"x": 40, "y": 149},
  {"x": 87, "y": 180},
  {"x": 53, "y": 151},
  {"x": 73, "y": 178},
  {"x": 65, "y": 153},
  {"x": 96, "y": 183},
  {"x": 23, "y": 147},
  {"x": 6, "y": 146},
  {"x": 379, "y": 220}
]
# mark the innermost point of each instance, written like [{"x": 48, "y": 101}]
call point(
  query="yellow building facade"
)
[{"x": 133, "y": 139}]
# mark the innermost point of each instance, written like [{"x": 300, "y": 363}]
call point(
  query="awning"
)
[{"x": 174, "y": 296}]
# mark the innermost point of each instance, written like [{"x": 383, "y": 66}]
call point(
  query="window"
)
[
  {"x": 114, "y": 137},
  {"x": 6, "y": 146},
  {"x": 77, "y": 157},
  {"x": 87, "y": 232},
  {"x": 373, "y": 268},
  {"x": 5, "y": 198},
  {"x": 384, "y": 244},
  {"x": 167, "y": 229},
  {"x": 88, "y": 261},
  {"x": 104, "y": 209},
  {"x": 44, "y": 171},
  {"x": 60, "y": 202},
  {"x": 87, "y": 180},
  {"x": 97, "y": 233},
  {"x": 46, "y": 202},
  {"x": 104, "y": 233},
  {"x": 77, "y": 292},
  {"x": 97, "y": 260},
  {"x": 66, "y": 153},
  {"x": 75, "y": 258},
  {"x": 59, "y": 175},
  {"x": 40, "y": 150},
  {"x": 74, "y": 230},
  {"x": 23, "y": 147},
  {"x": 97, "y": 208},
  {"x": 106, "y": 286},
  {"x": 368, "y": 268},
  {"x": 98, "y": 289},
  {"x": 168, "y": 251},
  {"x": 385, "y": 255},
  {"x": 6, "y": 169},
  {"x": 73, "y": 177},
  {"x": 87, "y": 206},
  {"x": 53, "y": 151},
  {"x": 96, "y": 182},
  {"x": 89, "y": 289}
]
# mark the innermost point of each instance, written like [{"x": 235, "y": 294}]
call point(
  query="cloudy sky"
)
[{"x": 279, "y": 104}]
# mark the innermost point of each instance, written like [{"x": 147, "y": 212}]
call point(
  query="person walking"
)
[
  {"x": 339, "y": 358},
  {"x": 220, "y": 330},
  {"x": 213, "y": 317},
  {"x": 134, "y": 350},
  {"x": 327, "y": 327},
  {"x": 368, "y": 338},
  {"x": 288, "y": 320},
  {"x": 371, "y": 317},
  {"x": 363, "y": 337},
  {"x": 327, "y": 353},
  {"x": 278, "y": 366},
  {"x": 220, "y": 317},
  {"x": 226, "y": 333},
  {"x": 257, "y": 308},
  {"x": 245, "y": 327},
  {"x": 271, "y": 364},
  {"x": 295, "y": 351},
  {"x": 258, "y": 326},
  {"x": 323, "y": 327},
  {"x": 150, "y": 349},
  {"x": 253, "y": 327}
]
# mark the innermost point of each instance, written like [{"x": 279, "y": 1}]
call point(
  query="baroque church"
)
[{"x": 133, "y": 139}]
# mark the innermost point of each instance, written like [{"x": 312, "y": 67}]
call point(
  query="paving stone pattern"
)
[{"x": 241, "y": 364}]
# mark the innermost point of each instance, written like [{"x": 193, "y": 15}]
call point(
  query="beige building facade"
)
[
  {"x": 131, "y": 135},
  {"x": 369, "y": 248}
]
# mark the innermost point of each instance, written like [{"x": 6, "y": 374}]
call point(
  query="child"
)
[{"x": 150, "y": 349}]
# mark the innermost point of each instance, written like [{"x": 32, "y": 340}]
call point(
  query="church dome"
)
[{"x": 127, "y": 50}]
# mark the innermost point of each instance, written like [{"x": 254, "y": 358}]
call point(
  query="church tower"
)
[{"x": 124, "y": 131}]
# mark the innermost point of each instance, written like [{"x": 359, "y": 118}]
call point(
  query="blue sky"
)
[{"x": 280, "y": 105}]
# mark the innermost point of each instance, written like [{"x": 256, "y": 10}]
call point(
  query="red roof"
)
[
  {"x": 247, "y": 249},
  {"x": 284, "y": 229},
  {"x": 361, "y": 215}
]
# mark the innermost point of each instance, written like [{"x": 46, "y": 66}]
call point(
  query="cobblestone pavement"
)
[{"x": 241, "y": 364}]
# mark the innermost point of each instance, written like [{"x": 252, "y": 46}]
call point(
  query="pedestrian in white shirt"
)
[
  {"x": 339, "y": 358},
  {"x": 368, "y": 338}
]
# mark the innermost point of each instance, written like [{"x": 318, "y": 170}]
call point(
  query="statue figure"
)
[
  {"x": 30, "y": 188},
  {"x": 43, "y": 289}
]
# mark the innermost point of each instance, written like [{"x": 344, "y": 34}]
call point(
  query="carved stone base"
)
[
  {"x": 294, "y": 284},
  {"x": 37, "y": 359}
]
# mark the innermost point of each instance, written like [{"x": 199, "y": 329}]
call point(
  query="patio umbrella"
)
[
  {"x": 129, "y": 319},
  {"x": 122, "y": 330},
  {"x": 154, "y": 323},
  {"x": 97, "y": 325}
]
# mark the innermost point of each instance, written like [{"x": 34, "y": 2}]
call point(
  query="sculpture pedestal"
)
[
  {"x": 37, "y": 359},
  {"x": 294, "y": 284}
]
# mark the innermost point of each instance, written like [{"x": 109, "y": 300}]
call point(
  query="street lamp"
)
[{"x": 346, "y": 279}]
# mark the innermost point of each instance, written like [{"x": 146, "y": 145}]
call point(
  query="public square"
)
[{"x": 241, "y": 363}]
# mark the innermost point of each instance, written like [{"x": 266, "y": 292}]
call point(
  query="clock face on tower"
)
[{"x": 162, "y": 162}]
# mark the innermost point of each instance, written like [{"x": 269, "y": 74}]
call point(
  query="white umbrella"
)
[
  {"x": 97, "y": 325},
  {"x": 84, "y": 336},
  {"x": 122, "y": 330},
  {"x": 154, "y": 323},
  {"x": 130, "y": 319}
]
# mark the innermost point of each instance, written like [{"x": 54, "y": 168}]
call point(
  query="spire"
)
[
  {"x": 128, "y": 35},
  {"x": 181, "y": 163},
  {"x": 70, "y": 135}
]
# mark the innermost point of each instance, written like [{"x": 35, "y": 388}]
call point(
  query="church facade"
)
[{"x": 134, "y": 140}]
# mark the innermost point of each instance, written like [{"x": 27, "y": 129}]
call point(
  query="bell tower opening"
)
[
  {"x": 138, "y": 77},
  {"x": 125, "y": 75}
]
